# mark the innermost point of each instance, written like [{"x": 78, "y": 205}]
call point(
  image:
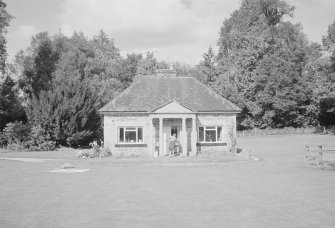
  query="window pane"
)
[
  {"x": 201, "y": 134},
  {"x": 219, "y": 133},
  {"x": 210, "y": 136},
  {"x": 121, "y": 135},
  {"x": 131, "y": 129},
  {"x": 140, "y": 134},
  {"x": 130, "y": 136}
]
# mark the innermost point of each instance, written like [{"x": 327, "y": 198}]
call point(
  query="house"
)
[{"x": 141, "y": 119}]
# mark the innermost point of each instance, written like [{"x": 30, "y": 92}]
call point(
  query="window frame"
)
[
  {"x": 210, "y": 128},
  {"x": 132, "y": 130}
]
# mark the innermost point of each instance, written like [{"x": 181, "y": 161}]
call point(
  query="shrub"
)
[
  {"x": 105, "y": 153},
  {"x": 19, "y": 136},
  {"x": 94, "y": 152},
  {"x": 16, "y": 132},
  {"x": 40, "y": 141},
  {"x": 79, "y": 138},
  {"x": 82, "y": 154},
  {"x": 3, "y": 140}
]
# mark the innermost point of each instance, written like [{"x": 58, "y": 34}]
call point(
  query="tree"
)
[
  {"x": 260, "y": 63},
  {"x": 84, "y": 75},
  {"x": 10, "y": 108},
  {"x": 38, "y": 66},
  {"x": 208, "y": 66},
  {"x": 148, "y": 65},
  {"x": 67, "y": 114},
  {"x": 325, "y": 80},
  {"x": 329, "y": 39},
  {"x": 128, "y": 68},
  {"x": 5, "y": 18}
]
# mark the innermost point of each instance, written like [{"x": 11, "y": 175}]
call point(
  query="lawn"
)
[{"x": 279, "y": 191}]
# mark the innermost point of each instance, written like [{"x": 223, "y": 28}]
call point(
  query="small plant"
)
[
  {"x": 82, "y": 154},
  {"x": 94, "y": 152},
  {"x": 3, "y": 140},
  {"x": 105, "y": 153}
]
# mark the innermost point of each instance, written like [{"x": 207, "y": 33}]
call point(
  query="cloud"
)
[
  {"x": 25, "y": 31},
  {"x": 168, "y": 25},
  {"x": 19, "y": 38}
]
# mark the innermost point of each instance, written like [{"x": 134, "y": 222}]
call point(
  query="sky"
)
[{"x": 175, "y": 30}]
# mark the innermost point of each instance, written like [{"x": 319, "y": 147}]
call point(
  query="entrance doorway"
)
[
  {"x": 168, "y": 131},
  {"x": 175, "y": 130}
]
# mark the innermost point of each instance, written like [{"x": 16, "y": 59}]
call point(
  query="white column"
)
[
  {"x": 160, "y": 136},
  {"x": 150, "y": 142},
  {"x": 184, "y": 137},
  {"x": 194, "y": 136},
  {"x": 233, "y": 148}
]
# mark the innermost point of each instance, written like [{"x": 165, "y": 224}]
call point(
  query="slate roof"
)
[{"x": 147, "y": 93}]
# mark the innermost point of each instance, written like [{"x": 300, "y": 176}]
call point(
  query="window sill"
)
[
  {"x": 211, "y": 144},
  {"x": 131, "y": 145}
]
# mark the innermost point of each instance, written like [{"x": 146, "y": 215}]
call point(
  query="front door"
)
[{"x": 168, "y": 131}]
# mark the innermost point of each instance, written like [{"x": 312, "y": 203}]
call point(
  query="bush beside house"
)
[{"x": 19, "y": 136}]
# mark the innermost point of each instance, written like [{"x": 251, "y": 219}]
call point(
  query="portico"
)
[{"x": 163, "y": 125}]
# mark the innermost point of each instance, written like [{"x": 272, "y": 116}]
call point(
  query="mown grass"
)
[{"x": 280, "y": 191}]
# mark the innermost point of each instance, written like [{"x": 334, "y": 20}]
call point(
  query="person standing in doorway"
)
[{"x": 173, "y": 140}]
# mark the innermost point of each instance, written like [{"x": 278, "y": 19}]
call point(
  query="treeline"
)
[
  {"x": 59, "y": 83},
  {"x": 264, "y": 64}
]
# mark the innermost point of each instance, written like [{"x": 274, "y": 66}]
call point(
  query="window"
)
[
  {"x": 131, "y": 135},
  {"x": 210, "y": 134}
]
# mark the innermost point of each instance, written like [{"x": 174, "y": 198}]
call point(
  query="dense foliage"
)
[
  {"x": 267, "y": 66},
  {"x": 83, "y": 74},
  {"x": 5, "y": 18},
  {"x": 19, "y": 136},
  {"x": 10, "y": 107}
]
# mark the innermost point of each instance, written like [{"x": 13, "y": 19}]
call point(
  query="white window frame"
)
[
  {"x": 124, "y": 134},
  {"x": 210, "y": 128}
]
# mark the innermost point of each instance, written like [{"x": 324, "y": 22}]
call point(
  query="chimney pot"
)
[{"x": 171, "y": 66}]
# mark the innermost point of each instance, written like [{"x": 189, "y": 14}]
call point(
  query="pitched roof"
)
[{"x": 148, "y": 93}]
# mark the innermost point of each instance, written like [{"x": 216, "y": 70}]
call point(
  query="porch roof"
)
[{"x": 148, "y": 93}]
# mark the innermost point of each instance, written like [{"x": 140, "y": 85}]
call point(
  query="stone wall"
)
[
  {"x": 228, "y": 123},
  {"x": 111, "y": 124}
]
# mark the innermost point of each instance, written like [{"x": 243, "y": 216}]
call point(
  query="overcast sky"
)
[{"x": 178, "y": 30}]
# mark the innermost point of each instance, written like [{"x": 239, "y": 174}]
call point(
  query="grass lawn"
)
[{"x": 280, "y": 191}]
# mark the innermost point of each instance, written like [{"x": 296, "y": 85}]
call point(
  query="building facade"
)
[{"x": 142, "y": 119}]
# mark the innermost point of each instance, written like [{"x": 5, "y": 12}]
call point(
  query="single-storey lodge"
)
[{"x": 141, "y": 119}]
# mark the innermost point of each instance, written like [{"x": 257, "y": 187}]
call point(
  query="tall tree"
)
[
  {"x": 86, "y": 74},
  {"x": 38, "y": 66},
  {"x": 5, "y": 18},
  {"x": 208, "y": 66},
  {"x": 325, "y": 95},
  {"x": 329, "y": 39},
  {"x": 261, "y": 60}
]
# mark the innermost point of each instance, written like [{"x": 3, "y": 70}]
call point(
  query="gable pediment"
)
[{"x": 172, "y": 107}]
